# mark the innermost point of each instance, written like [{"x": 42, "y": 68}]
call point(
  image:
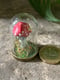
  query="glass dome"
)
[{"x": 23, "y": 27}]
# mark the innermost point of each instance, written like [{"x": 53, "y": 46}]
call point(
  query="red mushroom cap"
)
[
  {"x": 21, "y": 28},
  {"x": 17, "y": 29}
]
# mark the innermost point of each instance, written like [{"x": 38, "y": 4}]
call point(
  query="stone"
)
[{"x": 12, "y": 69}]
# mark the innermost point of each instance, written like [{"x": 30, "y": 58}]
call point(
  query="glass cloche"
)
[{"x": 23, "y": 29}]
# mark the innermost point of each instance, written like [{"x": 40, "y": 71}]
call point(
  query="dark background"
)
[{"x": 8, "y": 8}]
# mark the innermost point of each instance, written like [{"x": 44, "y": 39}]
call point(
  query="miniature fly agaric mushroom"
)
[
  {"x": 21, "y": 29},
  {"x": 23, "y": 49}
]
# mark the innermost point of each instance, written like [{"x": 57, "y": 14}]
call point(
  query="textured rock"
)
[
  {"x": 48, "y": 33},
  {"x": 12, "y": 69}
]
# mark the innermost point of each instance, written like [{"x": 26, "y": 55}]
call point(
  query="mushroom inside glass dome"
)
[{"x": 21, "y": 31}]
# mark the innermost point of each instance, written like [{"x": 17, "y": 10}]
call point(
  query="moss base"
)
[{"x": 25, "y": 53}]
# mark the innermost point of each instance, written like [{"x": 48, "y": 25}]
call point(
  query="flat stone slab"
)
[{"x": 12, "y": 69}]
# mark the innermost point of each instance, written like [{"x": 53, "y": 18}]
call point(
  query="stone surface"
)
[
  {"x": 46, "y": 33},
  {"x": 12, "y": 69}
]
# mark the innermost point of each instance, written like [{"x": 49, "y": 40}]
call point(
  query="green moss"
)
[{"x": 26, "y": 52}]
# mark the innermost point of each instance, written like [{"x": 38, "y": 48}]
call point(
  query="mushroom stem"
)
[{"x": 23, "y": 42}]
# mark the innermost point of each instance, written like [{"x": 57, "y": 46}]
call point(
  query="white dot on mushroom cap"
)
[
  {"x": 19, "y": 34},
  {"x": 22, "y": 31}
]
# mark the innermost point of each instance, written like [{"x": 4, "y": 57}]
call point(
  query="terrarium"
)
[{"x": 22, "y": 28}]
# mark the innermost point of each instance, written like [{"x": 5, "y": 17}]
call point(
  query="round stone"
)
[{"x": 50, "y": 54}]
